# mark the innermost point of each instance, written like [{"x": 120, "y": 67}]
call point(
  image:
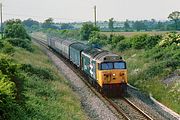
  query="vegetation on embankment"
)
[
  {"x": 150, "y": 59},
  {"x": 130, "y": 34},
  {"x": 31, "y": 87}
]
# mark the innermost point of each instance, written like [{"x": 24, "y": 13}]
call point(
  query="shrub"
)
[
  {"x": 6, "y": 47},
  {"x": 18, "y": 42},
  {"x": 152, "y": 41},
  {"x": 139, "y": 41},
  {"x": 7, "y": 66},
  {"x": 124, "y": 45},
  {"x": 118, "y": 38},
  {"x": 15, "y": 29},
  {"x": 98, "y": 39},
  {"x": 7, "y": 86},
  {"x": 7, "y": 95},
  {"x": 115, "y": 39},
  {"x": 169, "y": 39},
  {"x": 86, "y": 30},
  {"x": 40, "y": 72},
  {"x": 154, "y": 70}
]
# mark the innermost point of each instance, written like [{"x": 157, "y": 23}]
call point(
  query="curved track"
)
[{"x": 129, "y": 112}]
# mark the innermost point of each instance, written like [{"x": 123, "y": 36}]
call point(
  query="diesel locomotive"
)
[{"x": 105, "y": 70}]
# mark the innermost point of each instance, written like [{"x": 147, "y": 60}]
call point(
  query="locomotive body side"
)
[{"x": 88, "y": 62}]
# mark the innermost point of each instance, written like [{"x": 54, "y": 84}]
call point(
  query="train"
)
[{"x": 105, "y": 70}]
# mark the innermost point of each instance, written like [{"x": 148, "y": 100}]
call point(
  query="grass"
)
[
  {"x": 130, "y": 34},
  {"x": 147, "y": 72},
  {"x": 45, "y": 99},
  {"x": 140, "y": 70}
]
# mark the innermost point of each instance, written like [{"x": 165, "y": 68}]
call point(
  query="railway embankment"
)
[
  {"x": 32, "y": 88},
  {"x": 151, "y": 61},
  {"x": 147, "y": 107}
]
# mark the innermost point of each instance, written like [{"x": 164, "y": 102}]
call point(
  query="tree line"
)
[
  {"x": 173, "y": 23},
  {"x": 148, "y": 25}
]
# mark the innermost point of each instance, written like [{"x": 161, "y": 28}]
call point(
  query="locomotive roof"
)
[
  {"x": 93, "y": 51},
  {"x": 107, "y": 56},
  {"x": 79, "y": 46}
]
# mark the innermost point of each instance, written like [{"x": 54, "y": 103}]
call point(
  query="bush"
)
[
  {"x": 124, "y": 45},
  {"x": 6, "y": 47},
  {"x": 97, "y": 39},
  {"x": 7, "y": 88},
  {"x": 23, "y": 43},
  {"x": 139, "y": 41},
  {"x": 115, "y": 39},
  {"x": 154, "y": 70},
  {"x": 7, "y": 95},
  {"x": 152, "y": 41},
  {"x": 169, "y": 39},
  {"x": 8, "y": 92},
  {"x": 7, "y": 66},
  {"x": 15, "y": 29},
  {"x": 86, "y": 30},
  {"x": 40, "y": 72},
  {"x": 145, "y": 41}
]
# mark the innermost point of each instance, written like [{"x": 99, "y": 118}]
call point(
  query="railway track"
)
[{"x": 129, "y": 112}]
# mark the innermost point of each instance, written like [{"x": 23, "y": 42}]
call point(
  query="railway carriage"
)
[
  {"x": 55, "y": 43},
  {"x": 75, "y": 53},
  {"x": 66, "y": 48},
  {"x": 51, "y": 42}
]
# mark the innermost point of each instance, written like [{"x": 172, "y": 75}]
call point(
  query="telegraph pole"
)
[
  {"x": 95, "y": 15},
  {"x": 1, "y": 21}
]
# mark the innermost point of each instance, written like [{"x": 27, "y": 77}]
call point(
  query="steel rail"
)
[
  {"x": 119, "y": 112},
  {"x": 137, "y": 108}
]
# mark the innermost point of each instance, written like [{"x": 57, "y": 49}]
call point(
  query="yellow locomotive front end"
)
[{"x": 112, "y": 75}]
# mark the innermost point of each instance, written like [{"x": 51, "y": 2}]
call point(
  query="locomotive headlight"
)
[{"x": 114, "y": 74}]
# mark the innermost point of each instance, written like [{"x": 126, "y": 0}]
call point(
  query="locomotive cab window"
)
[
  {"x": 119, "y": 65},
  {"x": 106, "y": 66},
  {"x": 112, "y": 65}
]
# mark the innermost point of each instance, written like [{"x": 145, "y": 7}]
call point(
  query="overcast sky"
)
[{"x": 82, "y": 10}]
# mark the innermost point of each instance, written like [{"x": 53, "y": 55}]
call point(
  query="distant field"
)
[{"x": 129, "y": 34}]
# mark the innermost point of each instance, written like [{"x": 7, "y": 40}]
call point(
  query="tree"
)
[
  {"x": 15, "y": 29},
  {"x": 48, "y": 23},
  {"x": 30, "y": 22},
  {"x": 175, "y": 16},
  {"x": 66, "y": 26},
  {"x": 160, "y": 26},
  {"x": 139, "y": 25},
  {"x": 86, "y": 30},
  {"x": 111, "y": 24},
  {"x": 126, "y": 25}
]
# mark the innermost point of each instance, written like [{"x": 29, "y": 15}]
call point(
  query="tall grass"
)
[
  {"x": 45, "y": 98},
  {"x": 147, "y": 74}
]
